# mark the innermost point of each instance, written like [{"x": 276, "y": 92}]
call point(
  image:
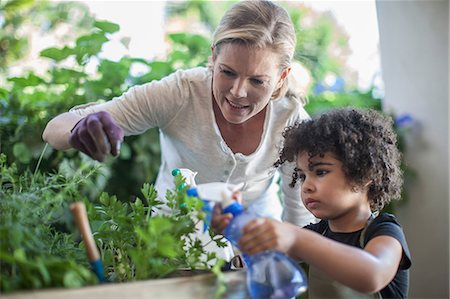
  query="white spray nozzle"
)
[
  {"x": 189, "y": 176},
  {"x": 218, "y": 192}
]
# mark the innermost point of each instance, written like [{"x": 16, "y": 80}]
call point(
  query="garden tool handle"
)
[{"x": 78, "y": 210}]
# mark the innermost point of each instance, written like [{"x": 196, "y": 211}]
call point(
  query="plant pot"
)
[{"x": 190, "y": 284}]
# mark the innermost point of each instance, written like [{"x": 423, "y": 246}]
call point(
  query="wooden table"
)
[{"x": 198, "y": 286}]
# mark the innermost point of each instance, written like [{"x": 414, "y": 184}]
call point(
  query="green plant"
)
[
  {"x": 36, "y": 251},
  {"x": 137, "y": 241},
  {"x": 39, "y": 248},
  {"x": 30, "y": 100}
]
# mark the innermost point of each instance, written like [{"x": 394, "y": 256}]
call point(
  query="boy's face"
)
[{"x": 325, "y": 190}]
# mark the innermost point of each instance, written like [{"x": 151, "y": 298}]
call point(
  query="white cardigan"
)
[{"x": 180, "y": 105}]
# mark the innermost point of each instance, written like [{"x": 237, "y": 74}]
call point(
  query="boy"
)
[{"x": 348, "y": 166}]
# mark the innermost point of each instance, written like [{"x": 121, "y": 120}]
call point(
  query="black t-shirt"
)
[{"x": 385, "y": 224}]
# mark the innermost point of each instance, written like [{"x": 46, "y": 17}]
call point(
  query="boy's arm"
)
[{"x": 368, "y": 270}]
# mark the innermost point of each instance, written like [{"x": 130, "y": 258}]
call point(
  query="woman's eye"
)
[
  {"x": 228, "y": 73},
  {"x": 257, "y": 81}
]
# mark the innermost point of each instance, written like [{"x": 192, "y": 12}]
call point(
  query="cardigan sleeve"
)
[{"x": 145, "y": 106}]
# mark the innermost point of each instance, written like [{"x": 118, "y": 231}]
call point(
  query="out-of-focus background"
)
[{"x": 387, "y": 55}]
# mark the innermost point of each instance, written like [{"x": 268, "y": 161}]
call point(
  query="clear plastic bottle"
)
[{"x": 270, "y": 274}]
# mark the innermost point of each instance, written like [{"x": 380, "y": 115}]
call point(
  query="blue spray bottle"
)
[{"x": 270, "y": 274}]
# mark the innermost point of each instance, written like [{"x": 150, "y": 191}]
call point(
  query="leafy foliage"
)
[
  {"x": 135, "y": 244},
  {"x": 29, "y": 101},
  {"x": 41, "y": 17},
  {"x": 36, "y": 251},
  {"x": 136, "y": 241},
  {"x": 139, "y": 242},
  {"x": 321, "y": 44},
  {"x": 329, "y": 100}
]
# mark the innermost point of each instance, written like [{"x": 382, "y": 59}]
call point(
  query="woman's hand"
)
[
  {"x": 267, "y": 234},
  {"x": 97, "y": 135}
]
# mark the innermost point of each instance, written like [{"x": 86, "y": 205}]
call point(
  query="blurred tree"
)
[
  {"x": 322, "y": 48},
  {"x": 29, "y": 100},
  {"x": 188, "y": 15},
  {"x": 322, "y": 45},
  {"x": 22, "y": 22}
]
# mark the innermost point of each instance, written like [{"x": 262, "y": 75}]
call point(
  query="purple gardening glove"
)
[{"x": 97, "y": 135}]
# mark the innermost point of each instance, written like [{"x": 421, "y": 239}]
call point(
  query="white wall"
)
[{"x": 414, "y": 44}]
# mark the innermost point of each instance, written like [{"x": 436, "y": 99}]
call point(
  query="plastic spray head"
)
[
  {"x": 216, "y": 192},
  {"x": 187, "y": 174}
]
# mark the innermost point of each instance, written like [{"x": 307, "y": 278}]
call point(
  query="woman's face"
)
[{"x": 244, "y": 79}]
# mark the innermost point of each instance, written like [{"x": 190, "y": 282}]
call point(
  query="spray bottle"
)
[{"x": 270, "y": 274}]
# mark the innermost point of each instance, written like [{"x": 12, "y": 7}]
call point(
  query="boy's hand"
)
[
  {"x": 267, "y": 234},
  {"x": 219, "y": 220},
  {"x": 97, "y": 135}
]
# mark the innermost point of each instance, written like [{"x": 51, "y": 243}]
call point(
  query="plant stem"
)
[{"x": 40, "y": 160}]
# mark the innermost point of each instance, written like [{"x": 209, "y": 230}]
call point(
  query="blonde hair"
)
[{"x": 260, "y": 24}]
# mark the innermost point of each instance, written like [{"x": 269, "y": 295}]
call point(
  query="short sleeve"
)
[{"x": 387, "y": 225}]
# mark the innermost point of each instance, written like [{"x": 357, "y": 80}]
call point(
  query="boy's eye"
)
[
  {"x": 321, "y": 172},
  {"x": 301, "y": 177}
]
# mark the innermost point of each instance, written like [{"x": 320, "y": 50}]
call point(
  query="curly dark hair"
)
[{"x": 363, "y": 140}]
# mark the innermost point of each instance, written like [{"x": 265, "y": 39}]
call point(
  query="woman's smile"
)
[{"x": 235, "y": 105}]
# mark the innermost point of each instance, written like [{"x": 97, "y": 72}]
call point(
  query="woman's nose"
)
[{"x": 239, "y": 90}]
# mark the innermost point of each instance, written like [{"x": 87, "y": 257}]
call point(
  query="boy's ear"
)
[
  {"x": 212, "y": 54},
  {"x": 367, "y": 185},
  {"x": 360, "y": 188}
]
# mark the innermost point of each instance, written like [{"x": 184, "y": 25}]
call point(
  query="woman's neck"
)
[{"x": 244, "y": 137}]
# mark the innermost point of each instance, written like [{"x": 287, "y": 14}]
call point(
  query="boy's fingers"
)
[
  {"x": 254, "y": 226},
  {"x": 256, "y": 243},
  {"x": 237, "y": 196},
  {"x": 217, "y": 209},
  {"x": 222, "y": 222},
  {"x": 219, "y": 221}
]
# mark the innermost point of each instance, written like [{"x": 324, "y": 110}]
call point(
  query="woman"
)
[{"x": 224, "y": 121}]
